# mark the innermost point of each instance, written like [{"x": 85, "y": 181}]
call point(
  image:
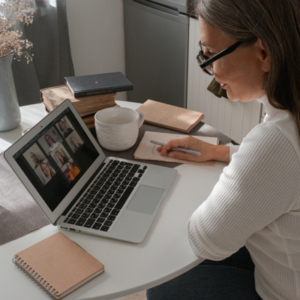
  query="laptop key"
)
[
  {"x": 94, "y": 215},
  {"x": 81, "y": 221},
  {"x": 85, "y": 215},
  {"x": 115, "y": 186},
  {"x": 113, "y": 201},
  {"x": 100, "y": 206},
  {"x": 100, "y": 220},
  {"x": 79, "y": 211},
  {"x": 132, "y": 184},
  {"x": 89, "y": 210},
  {"x": 115, "y": 212},
  {"x": 71, "y": 221},
  {"x": 115, "y": 162},
  {"x": 75, "y": 216},
  {"x": 111, "y": 218},
  {"x": 108, "y": 223},
  {"x": 97, "y": 226},
  {"x": 104, "y": 228},
  {"x": 89, "y": 223},
  {"x": 124, "y": 197},
  {"x": 104, "y": 215}
]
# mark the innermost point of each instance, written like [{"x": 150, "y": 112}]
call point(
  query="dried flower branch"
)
[{"x": 14, "y": 15}]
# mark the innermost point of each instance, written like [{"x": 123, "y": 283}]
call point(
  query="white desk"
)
[{"x": 129, "y": 268}]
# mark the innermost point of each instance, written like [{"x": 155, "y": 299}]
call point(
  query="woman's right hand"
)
[{"x": 208, "y": 151}]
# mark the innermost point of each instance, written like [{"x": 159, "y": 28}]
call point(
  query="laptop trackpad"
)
[{"x": 146, "y": 199}]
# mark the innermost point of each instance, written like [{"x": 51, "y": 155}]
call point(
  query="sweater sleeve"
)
[
  {"x": 260, "y": 184},
  {"x": 233, "y": 149}
]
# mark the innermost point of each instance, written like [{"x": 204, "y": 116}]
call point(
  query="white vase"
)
[{"x": 10, "y": 116}]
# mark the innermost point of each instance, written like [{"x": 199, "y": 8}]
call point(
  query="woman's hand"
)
[{"x": 208, "y": 151}]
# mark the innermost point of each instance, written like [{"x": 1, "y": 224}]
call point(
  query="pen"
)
[{"x": 177, "y": 149}]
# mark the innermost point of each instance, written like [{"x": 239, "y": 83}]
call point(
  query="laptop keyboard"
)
[{"x": 102, "y": 202}]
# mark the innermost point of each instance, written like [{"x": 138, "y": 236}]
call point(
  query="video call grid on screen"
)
[{"x": 56, "y": 158}]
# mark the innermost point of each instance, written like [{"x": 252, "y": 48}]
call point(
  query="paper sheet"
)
[{"x": 148, "y": 151}]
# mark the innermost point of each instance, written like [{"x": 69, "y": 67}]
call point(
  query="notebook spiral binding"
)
[{"x": 34, "y": 276}]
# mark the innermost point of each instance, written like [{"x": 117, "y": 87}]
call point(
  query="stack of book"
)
[
  {"x": 86, "y": 106},
  {"x": 89, "y": 93}
]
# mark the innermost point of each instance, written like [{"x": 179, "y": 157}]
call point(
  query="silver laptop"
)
[{"x": 79, "y": 188}]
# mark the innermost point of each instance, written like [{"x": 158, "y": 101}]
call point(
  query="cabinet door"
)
[
  {"x": 235, "y": 119},
  {"x": 156, "y": 48}
]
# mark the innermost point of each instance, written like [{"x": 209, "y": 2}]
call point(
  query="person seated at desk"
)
[{"x": 248, "y": 228}]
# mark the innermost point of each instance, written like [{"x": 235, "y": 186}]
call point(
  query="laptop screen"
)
[{"x": 56, "y": 158}]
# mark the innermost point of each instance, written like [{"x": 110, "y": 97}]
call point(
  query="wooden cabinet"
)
[{"x": 235, "y": 119}]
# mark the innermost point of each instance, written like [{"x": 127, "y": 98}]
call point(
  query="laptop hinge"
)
[{"x": 83, "y": 189}]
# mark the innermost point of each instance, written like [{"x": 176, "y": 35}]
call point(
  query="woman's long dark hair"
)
[{"x": 277, "y": 24}]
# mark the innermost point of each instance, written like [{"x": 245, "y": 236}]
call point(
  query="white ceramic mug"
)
[{"x": 117, "y": 128}]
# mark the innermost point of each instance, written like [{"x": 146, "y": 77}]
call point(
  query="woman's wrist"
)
[{"x": 221, "y": 153}]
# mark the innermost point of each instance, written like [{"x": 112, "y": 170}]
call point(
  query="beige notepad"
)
[
  {"x": 169, "y": 116},
  {"x": 58, "y": 265},
  {"x": 148, "y": 151}
]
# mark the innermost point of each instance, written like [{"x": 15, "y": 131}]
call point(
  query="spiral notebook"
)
[{"x": 58, "y": 265}]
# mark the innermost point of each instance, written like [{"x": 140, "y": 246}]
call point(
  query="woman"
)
[
  {"x": 64, "y": 128},
  {"x": 62, "y": 159},
  {"x": 35, "y": 159},
  {"x": 75, "y": 143},
  {"x": 50, "y": 142},
  {"x": 47, "y": 171},
  {"x": 256, "y": 200},
  {"x": 73, "y": 170}
]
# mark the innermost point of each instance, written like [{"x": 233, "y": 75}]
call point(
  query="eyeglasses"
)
[{"x": 205, "y": 62}]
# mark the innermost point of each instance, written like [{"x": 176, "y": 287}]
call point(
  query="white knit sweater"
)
[{"x": 256, "y": 203}]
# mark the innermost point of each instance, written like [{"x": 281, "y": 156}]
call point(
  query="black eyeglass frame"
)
[{"x": 209, "y": 61}]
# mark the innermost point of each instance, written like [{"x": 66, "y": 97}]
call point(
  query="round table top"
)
[{"x": 129, "y": 268}]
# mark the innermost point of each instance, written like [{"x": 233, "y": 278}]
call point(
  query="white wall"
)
[{"x": 96, "y": 29}]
